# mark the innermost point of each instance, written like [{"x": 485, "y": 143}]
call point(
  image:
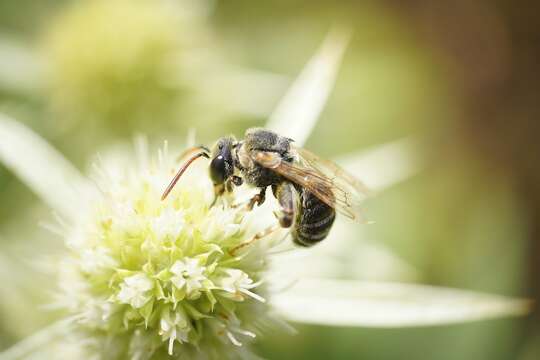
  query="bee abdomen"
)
[{"x": 314, "y": 220}]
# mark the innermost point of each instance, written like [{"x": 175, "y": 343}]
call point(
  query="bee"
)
[{"x": 308, "y": 189}]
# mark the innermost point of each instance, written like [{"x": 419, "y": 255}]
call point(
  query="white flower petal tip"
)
[
  {"x": 385, "y": 165},
  {"x": 238, "y": 282},
  {"x": 390, "y": 305},
  {"x": 297, "y": 113},
  {"x": 42, "y": 168}
]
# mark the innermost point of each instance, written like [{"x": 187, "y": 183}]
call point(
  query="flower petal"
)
[
  {"x": 19, "y": 69},
  {"x": 42, "y": 168},
  {"x": 385, "y": 165},
  {"x": 34, "y": 342},
  {"x": 256, "y": 92},
  {"x": 298, "y": 111},
  {"x": 345, "y": 250},
  {"x": 371, "y": 304}
]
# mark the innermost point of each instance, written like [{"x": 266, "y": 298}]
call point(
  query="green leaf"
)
[{"x": 389, "y": 305}]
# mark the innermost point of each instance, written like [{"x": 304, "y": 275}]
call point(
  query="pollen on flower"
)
[{"x": 152, "y": 279}]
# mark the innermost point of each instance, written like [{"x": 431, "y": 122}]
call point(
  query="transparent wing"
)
[
  {"x": 326, "y": 180},
  {"x": 335, "y": 172}
]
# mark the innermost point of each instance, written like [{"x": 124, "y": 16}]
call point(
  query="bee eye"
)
[{"x": 218, "y": 170}]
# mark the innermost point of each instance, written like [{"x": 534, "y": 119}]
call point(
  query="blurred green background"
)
[{"x": 459, "y": 77}]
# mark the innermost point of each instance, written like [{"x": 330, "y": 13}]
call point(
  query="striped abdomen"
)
[{"x": 313, "y": 221}]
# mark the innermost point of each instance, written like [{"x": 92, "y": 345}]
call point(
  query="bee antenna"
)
[
  {"x": 191, "y": 150},
  {"x": 181, "y": 171}
]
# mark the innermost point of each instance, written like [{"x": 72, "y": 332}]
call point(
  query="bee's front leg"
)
[
  {"x": 228, "y": 186},
  {"x": 219, "y": 190}
]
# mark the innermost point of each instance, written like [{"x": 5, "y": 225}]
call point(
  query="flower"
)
[
  {"x": 174, "y": 327},
  {"x": 163, "y": 270},
  {"x": 120, "y": 72},
  {"x": 189, "y": 274},
  {"x": 135, "y": 290},
  {"x": 238, "y": 283},
  {"x": 131, "y": 238}
]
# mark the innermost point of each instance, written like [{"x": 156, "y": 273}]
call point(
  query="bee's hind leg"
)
[
  {"x": 287, "y": 198},
  {"x": 268, "y": 231}
]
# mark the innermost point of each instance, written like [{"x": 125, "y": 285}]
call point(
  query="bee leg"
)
[
  {"x": 237, "y": 180},
  {"x": 269, "y": 230},
  {"x": 228, "y": 186},
  {"x": 287, "y": 198},
  {"x": 219, "y": 189},
  {"x": 257, "y": 199}
]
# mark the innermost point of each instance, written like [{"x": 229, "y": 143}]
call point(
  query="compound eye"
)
[{"x": 218, "y": 170}]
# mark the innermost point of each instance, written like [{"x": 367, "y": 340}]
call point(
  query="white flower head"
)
[
  {"x": 140, "y": 50},
  {"x": 164, "y": 269}
]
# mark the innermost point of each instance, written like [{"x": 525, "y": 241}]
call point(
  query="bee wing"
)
[
  {"x": 339, "y": 176},
  {"x": 326, "y": 180}
]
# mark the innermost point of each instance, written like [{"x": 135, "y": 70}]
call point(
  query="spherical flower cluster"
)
[
  {"x": 153, "y": 279},
  {"x": 119, "y": 61}
]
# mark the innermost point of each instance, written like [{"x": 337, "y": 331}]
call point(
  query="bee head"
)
[{"x": 222, "y": 164}]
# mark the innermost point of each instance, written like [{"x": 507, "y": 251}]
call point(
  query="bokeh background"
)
[{"x": 460, "y": 77}]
